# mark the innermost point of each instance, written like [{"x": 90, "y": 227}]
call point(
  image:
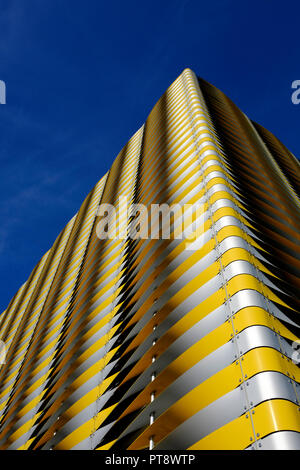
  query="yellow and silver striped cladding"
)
[{"x": 125, "y": 344}]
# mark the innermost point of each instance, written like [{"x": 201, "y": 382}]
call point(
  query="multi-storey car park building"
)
[{"x": 123, "y": 343}]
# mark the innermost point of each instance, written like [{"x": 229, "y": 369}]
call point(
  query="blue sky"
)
[{"x": 81, "y": 78}]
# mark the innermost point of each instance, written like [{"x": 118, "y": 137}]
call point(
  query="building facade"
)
[{"x": 149, "y": 342}]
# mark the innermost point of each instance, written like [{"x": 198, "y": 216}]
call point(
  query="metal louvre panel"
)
[
  {"x": 282, "y": 440},
  {"x": 264, "y": 386},
  {"x": 129, "y": 343}
]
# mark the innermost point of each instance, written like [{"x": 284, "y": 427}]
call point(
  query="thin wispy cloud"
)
[{"x": 81, "y": 79}]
